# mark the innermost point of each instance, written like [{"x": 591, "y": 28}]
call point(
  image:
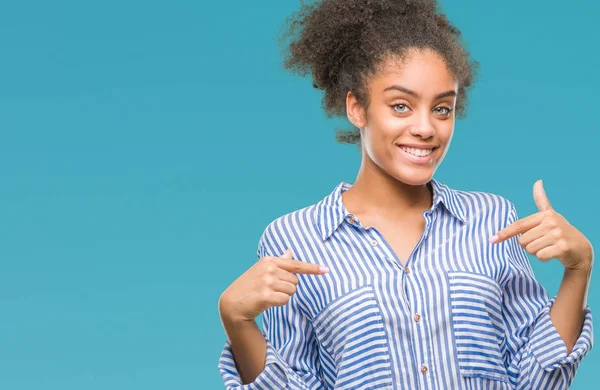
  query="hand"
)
[
  {"x": 547, "y": 235},
  {"x": 269, "y": 282}
]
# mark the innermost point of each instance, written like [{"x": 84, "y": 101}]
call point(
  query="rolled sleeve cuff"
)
[
  {"x": 274, "y": 376},
  {"x": 549, "y": 348}
]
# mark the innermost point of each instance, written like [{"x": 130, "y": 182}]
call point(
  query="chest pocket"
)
[
  {"x": 476, "y": 304},
  {"x": 353, "y": 341}
]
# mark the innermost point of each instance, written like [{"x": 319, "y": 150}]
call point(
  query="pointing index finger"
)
[
  {"x": 300, "y": 267},
  {"x": 520, "y": 226}
]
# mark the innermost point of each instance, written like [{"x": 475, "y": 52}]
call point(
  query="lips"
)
[
  {"x": 418, "y": 146},
  {"x": 414, "y": 158}
]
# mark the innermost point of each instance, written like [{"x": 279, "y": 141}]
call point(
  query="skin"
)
[{"x": 390, "y": 188}]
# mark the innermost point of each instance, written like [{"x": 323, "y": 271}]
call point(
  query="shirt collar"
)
[{"x": 331, "y": 211}]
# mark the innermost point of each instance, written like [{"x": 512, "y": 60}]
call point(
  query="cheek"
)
[
  {"x": 380, "y": 144},
  {"x": 444, "y": 130},
  {"x": 447, "y": 132},
  {"x": 386, "y": 130}
]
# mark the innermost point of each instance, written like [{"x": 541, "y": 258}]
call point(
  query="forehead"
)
[{"x": 421, "y": 70}]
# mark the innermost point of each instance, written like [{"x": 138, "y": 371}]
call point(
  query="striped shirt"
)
[{"x": 462, "y": 313}]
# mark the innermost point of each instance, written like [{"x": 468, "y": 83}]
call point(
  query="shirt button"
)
[
  {"x": 374, "y": 242},
  {"x": 350, "y": 219},
  {"x": 417, "y": 317},
  {"x": 407, "y": 270},
  {"x": 424, "y": 369}
]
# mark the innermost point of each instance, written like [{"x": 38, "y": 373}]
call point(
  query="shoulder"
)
[
  {"x": 484, "y": 205},
  {"x": 288, "y": 230}
]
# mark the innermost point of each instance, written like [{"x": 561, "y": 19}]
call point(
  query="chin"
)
[{"x": 414, "y": 177}]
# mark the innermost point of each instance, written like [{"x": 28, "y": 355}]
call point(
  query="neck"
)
[{"x": 374, "y": 192}]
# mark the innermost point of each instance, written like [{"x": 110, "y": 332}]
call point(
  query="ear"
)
[{"x": 354, "y": 111}]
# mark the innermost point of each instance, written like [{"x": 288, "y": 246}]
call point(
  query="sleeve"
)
[
  {"x": 535, "y": 354},
  {"x": 292, "y": 351}
]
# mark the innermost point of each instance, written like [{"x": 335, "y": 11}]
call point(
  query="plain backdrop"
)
[{"x": 145, "y": 145}]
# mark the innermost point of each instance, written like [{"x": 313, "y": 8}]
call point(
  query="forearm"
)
[
  {"x": 567, "y": 312},
  {"x": 248, "y": 346}
]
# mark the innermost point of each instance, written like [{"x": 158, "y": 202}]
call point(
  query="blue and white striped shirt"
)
[{"x": 461, "y": 314}]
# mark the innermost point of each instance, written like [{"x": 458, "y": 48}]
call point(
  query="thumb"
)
[
  {"x": 287, "y": 254},
  {"x": 539, "y": 196}
]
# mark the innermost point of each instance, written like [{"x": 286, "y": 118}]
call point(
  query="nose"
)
[{"x": 423, "y": 127}]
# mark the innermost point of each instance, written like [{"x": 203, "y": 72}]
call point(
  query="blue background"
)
[{"x": 144, "y": 147}]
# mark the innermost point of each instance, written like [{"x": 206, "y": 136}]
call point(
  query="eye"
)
[
  {"x": 402, "y": 107},
  {"x": 444, "y": 110}
]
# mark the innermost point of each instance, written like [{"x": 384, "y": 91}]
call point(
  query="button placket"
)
[
  {"x": 352, "y": 220},
  {"x": 420, "y": 329}
]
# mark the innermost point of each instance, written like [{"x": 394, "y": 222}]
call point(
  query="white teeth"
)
[{"x": 417, "y": 152}]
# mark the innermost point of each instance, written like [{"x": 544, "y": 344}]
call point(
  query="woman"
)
[{"x": 398, "y": 281}]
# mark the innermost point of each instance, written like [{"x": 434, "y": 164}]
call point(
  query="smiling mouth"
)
[{"x": 417, "y": 152}]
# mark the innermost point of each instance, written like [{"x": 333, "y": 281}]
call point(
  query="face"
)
[{"x": 407, "y": 128}]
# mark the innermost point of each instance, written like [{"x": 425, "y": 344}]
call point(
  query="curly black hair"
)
[{"x": 342, "y": 42}]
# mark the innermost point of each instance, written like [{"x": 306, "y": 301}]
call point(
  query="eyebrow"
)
[{"x": 413, "y": 93}]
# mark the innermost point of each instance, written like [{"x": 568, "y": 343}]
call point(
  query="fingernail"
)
[
  {"x": 494, "y": 238},
  {"x": 323, "y": 269}
]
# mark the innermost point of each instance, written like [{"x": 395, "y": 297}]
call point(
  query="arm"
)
[
  {"x": 284, "y": 356},
  {"x": 249, "y": 347},
  {"x": 535, "y": 352},
  {"x": 290, "y": 359},
  {"x": 569, "y": 308}
]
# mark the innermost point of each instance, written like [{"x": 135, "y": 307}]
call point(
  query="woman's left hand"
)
[{"x": 548, "y": 235}]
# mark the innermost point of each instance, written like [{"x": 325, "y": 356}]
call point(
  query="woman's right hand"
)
[{"x": 269, "y": 282}]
